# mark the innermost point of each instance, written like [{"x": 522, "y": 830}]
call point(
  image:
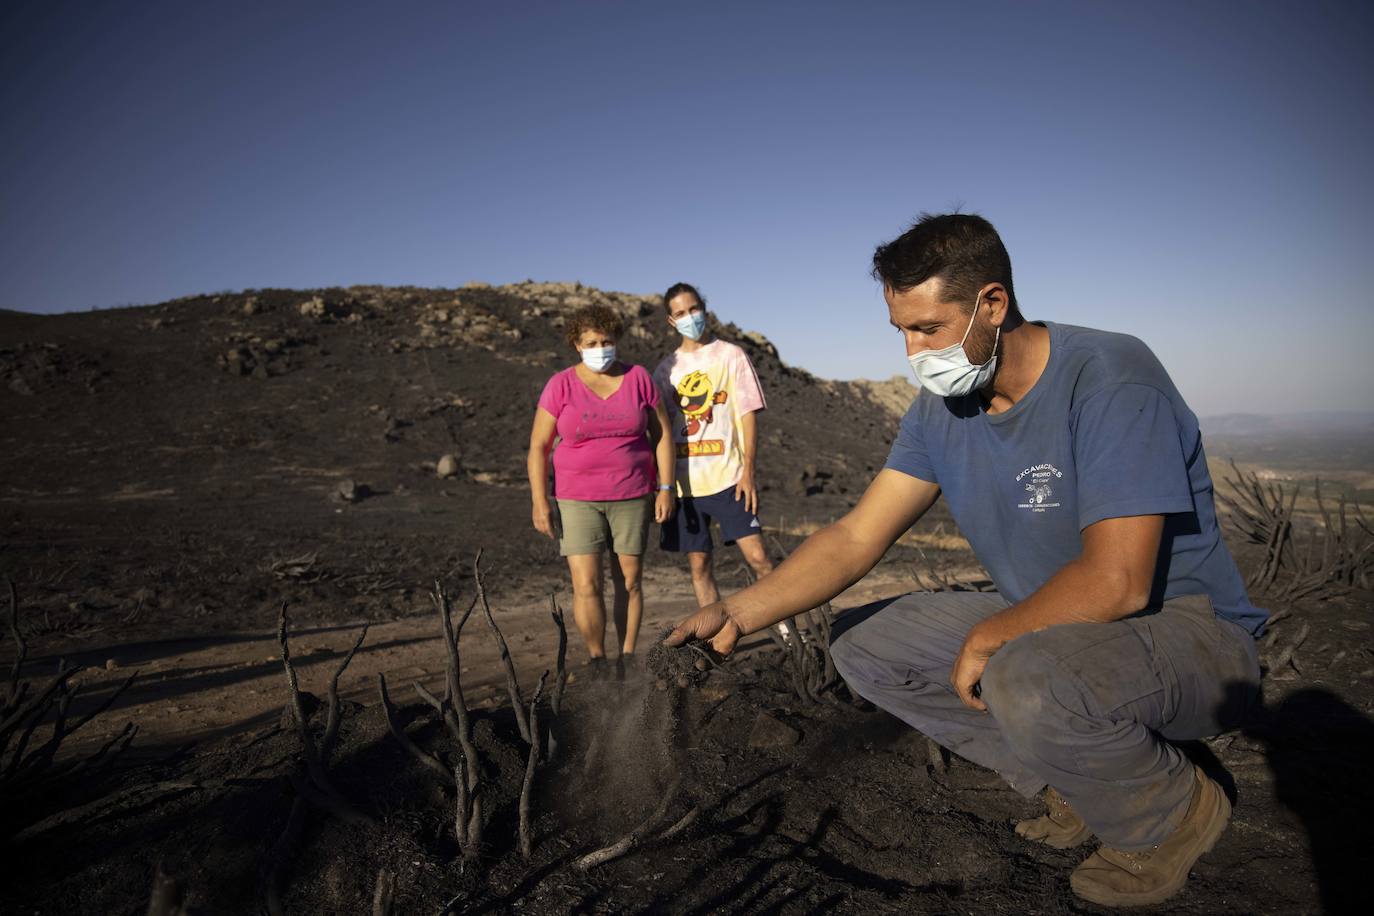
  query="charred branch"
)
[
  {"x": 454, "y": 711},
  {"x": 46, "y": 713},
  {"x": 517, "y": 702},
  {"x": 527, "y": 787},
  {"x": 320, "y": 789},
  {"x": 1335, "y": 557},
  {"x": 21, "y": 648},
  {"x": 313, "y": 787},
  {"x": 465, "y": 771},
  {"x": 635, "y": 837},
  {"x": 560, "y": 681},
  {"x": 1280, "y": 660},
  {"x": 397, "y": 732},
  {"x": 807, "y": 649},
  {"x": 331, "y": 729}
]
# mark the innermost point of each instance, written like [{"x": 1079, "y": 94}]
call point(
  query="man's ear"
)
[{"x": 997, "y": 302}]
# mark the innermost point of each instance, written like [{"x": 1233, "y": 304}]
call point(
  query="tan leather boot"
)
[
  {"x": 1112, "y": 877},
  {"x": 1060, "y": 827}
]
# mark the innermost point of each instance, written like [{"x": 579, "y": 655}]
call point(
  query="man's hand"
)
[
  {"x": 664, "y": 505},
  {"x": 712, "y": 624},
  {"x": 968, "y": 667},
  {"x": 543, "y": 517},
  {"x": 746, "y": 490}
]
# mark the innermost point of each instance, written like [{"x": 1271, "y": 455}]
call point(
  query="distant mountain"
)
[
  {"x": 1316, "y": 422},
  {"x": 1318, "y": 443}
]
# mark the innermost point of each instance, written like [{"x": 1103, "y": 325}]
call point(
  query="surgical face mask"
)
[
  {"x": 692, "y": 325},
  {"x": 948, "y": 372},
  {"x": 598, "y": 359}
]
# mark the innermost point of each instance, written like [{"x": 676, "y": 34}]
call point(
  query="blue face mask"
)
[
  {"x": 692, "y": 326},
  {"x": 598, "y": 359},
  {"x": 948, "y": 372}
]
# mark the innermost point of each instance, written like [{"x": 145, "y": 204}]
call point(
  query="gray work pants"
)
[{"x": 1087, "y": 708}]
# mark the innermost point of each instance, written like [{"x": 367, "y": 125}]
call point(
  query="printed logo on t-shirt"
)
[
  {"x": 697, "y": 399},
  {"x": 598, "y": 424},
  {"x": 1039, "y": 481},
  {"x": 700, "y": 448}
]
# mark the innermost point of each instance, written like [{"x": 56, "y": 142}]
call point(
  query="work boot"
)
[
  {"x": 1060, "y": 827},
  {"x": 1112, "y": 877}
]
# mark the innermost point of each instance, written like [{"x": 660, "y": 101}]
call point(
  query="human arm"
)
[
  {"x": 827, "y": 563},
  {"x": 537, "y": 463},
  {"x": 660, "y": 434},
  {"x": 747, "y": 489},
  {"x": 747, "y": 399},
  {"x": 1109, "y": 580}
]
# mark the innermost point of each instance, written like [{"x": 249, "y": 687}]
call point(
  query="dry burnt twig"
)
[
  {"x": 313, "y": 787},
  {"x": 560, "y": 682},
  {"x": 316, "y": 786},
  {"x": 25, "y": 772},
  {"x": 807, "y": 650},
  {"x": 635, "y": 837},
  {"x": 527, "y": 787},
  {"x": 454, "y": 711},
  {"x": 1276, "y": 663},
  {"x": 302, "y": 568},
  {"x": 934, "y": 579},
  {"x": 1263, "y": 514},
  {"x": 1338, "y": 554},
  {"x": 21, "y": 648},
  {"x": 517, "y": 702},
  {"x": 466, "y": 771}
]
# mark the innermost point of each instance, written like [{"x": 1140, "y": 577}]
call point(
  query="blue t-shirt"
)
[{"x": 1103, "y": 434}]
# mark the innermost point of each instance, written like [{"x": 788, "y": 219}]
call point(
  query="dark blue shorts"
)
[{"x": 689, "y": 530}]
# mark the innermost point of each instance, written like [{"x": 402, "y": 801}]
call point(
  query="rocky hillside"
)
[{"x": 229, "y": 431}]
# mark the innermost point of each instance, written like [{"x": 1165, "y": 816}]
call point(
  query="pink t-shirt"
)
[{"x": 603, "y": 452}]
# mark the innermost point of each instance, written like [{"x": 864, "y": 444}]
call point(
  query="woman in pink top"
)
[{"x": 612, "y": 470}]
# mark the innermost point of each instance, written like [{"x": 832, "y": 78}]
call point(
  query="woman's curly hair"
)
[{"x": 593, "y": 318}]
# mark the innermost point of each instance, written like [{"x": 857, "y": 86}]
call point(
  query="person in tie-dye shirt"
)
[{"x": 713, "y": 398}]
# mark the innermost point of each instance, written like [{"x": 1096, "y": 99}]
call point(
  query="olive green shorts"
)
[{"x": 592, "y": 526}]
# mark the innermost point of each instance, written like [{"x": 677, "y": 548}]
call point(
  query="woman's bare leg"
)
[
  {"x": 589, "y": 609},
  {"x": 629, "y": 599}
]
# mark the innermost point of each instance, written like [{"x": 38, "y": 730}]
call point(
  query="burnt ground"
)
[{"x": 170, "y": 474}]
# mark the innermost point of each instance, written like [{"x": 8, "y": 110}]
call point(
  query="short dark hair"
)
[
  {"x": 677, "y": 289},
  {"x": 963, "y": 250},
  {"x": 594, "y": 318}
]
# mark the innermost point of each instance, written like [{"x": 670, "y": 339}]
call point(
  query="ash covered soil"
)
[{"x": 169, "y": 475}]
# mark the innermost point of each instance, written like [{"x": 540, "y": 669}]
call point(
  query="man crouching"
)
[{"x": 1120, "y": 623}]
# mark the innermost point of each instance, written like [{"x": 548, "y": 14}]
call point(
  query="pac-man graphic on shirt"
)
[{"x": 697, "y": 398}]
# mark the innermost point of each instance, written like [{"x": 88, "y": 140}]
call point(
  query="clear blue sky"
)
[{"x": 1195, "y": 173}]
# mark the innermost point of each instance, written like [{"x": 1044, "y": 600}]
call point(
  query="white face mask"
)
[
  {"x": 948, "y": 372},
  {"x": 598, "y": 359}
]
